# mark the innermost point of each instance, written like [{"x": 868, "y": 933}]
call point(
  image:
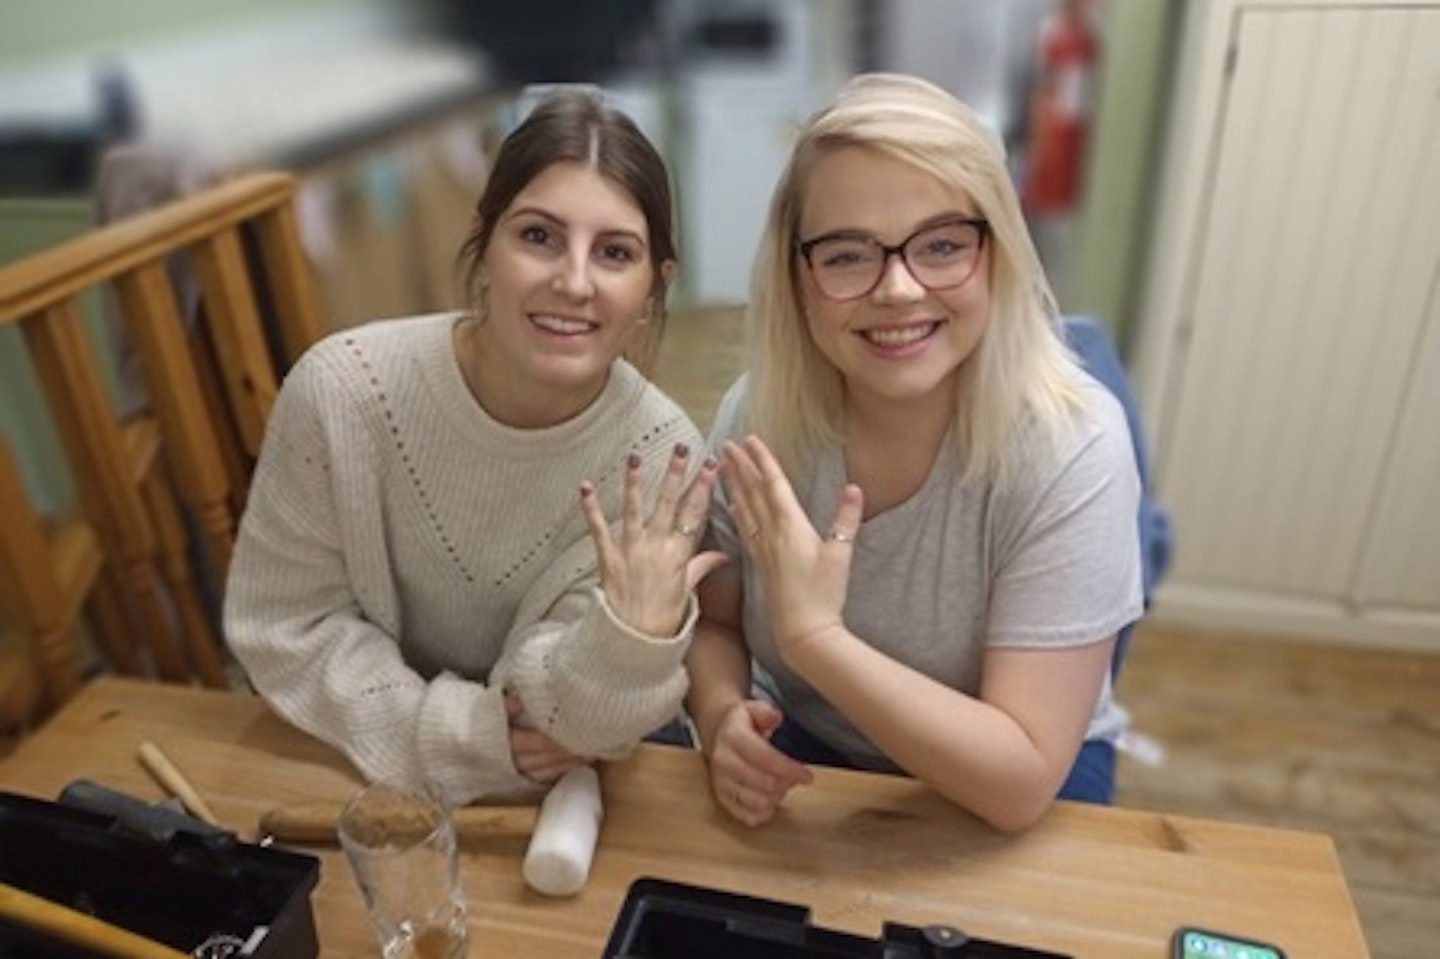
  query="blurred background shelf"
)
[{"x": 386, "y": 128}]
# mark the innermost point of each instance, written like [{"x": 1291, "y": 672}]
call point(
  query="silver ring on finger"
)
[
  {"x": 687, "y": 529},
  {"x": 841, "y": 535}
]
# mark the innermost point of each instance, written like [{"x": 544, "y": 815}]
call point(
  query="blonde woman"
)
[{"x": 931, "y": 509}]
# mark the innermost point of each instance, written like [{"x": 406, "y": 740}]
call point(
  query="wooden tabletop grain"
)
[{"x": 858, "y": 849}]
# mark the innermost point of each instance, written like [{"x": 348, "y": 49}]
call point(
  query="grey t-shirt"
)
[{"x": 1051, "y": 559}]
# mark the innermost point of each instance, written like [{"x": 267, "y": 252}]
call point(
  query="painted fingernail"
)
[
  {"x": 633, "y": 461},
  {"x": 587, "y": 490},
  {"x": 682, "y": 450},
  {"x": 711, "y": 463}
]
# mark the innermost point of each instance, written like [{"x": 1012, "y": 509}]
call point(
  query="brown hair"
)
[{"x": 575, "y": 124}]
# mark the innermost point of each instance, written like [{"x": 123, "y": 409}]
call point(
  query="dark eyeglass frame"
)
[{"x": 980, "y": 223}]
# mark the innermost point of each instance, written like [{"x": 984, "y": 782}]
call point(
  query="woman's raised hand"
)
[
  {"x": 804, "y": 572},
  {"x": 649, "y": 568}
]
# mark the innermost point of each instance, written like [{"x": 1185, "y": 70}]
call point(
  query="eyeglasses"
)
[{"x": 847, "y": 266}]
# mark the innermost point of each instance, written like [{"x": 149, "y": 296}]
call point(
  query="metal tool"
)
[
  {"x": 158, "y": 821},
  {"x": 224, "y": 945}
]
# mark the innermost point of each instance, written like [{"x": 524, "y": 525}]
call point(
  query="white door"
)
[
  {"x": 1298, "y": 451},
  {"x": 1400, "y": 578},
  {"x": 741, "y": 134}
]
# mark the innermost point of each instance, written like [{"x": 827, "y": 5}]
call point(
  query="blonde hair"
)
[{"x": 1019, "y": 370}]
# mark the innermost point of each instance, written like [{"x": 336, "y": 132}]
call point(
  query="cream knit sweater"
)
[{"x": 404, "y": 559}]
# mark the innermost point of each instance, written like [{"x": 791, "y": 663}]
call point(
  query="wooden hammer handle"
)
[
  {"x": 77, "y": 928},
  {"x": 315, "y": 822},
  {"x": 172, "y": 779}
]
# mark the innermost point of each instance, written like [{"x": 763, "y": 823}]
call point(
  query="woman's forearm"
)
[
  {"x": 992, "y": 758},
  {"x": 719, "y": 667}
]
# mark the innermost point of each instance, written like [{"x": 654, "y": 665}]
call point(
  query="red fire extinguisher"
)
[{"x": 1068, "y": 58}]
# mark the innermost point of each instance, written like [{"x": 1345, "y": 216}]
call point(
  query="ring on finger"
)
[
  {"x": 687, "y": 529},
  {"x": 841, "y": 535}
]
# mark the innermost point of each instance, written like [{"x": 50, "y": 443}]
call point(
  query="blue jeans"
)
[
  {"x": 1091, "y": 779},
  {"x": 797, "y": 742},
  {"x": 673, "y": 733}
]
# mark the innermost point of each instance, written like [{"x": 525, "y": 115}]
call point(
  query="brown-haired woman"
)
[{"x": 415, "y": 582}]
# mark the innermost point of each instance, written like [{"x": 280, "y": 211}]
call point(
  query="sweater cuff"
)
[
  {"x": 598, "y": 687},
  {"x": 463, "y": 742},
  {"x": 687, "y": 622}
]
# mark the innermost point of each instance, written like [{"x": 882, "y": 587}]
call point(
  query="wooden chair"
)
[
  {"x": 210, "y": 385},
  {"x": 20, "y": 688},
  {"x": 49, "y": 573}
]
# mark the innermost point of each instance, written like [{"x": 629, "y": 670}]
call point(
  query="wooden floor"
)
[
  {"x": 701, "y": 354},
  {"x": 1304, "y": 735},
  {"x": 1272, "y": 731}
]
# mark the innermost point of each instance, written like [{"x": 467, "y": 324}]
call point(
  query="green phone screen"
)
[{"x": 1198, "y": 944}]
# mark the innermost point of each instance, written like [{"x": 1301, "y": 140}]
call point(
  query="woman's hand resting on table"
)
[
  {"x": 748, "y": 776},
  {"x": 649, "y": 569},
  {"x": 536, "y": 756}
]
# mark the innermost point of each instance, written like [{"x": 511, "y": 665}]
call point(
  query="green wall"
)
[
  {"x": 1111, "y": 240},
  {"x": 30, "y": 225},
  {"x": 39, "y": 29},
  {"x": 42, "y": 31}
]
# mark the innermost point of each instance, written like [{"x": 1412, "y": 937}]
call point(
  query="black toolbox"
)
[
  {"x": 191, "y": 887},
  {"x": 668, "y": 920}
]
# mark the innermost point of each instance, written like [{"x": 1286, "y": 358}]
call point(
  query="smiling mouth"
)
[
  {"x": 893, "y": 337},
  {"x": 563, "y": 325}
]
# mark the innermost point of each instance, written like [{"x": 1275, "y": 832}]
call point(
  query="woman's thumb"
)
[{"x": 765, "y": 717}]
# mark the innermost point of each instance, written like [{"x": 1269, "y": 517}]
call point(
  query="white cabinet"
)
[
  {"x": 741, "y": 134},
  {"x": 1290, "y": 361},
  {"x": 740, "y": 106}
]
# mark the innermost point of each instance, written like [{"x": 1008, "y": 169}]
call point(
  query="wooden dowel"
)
[
  {"x": 61, "y": 922},
  {"x": 315, "y": 822},
  {"x": 170, "y": 777}
]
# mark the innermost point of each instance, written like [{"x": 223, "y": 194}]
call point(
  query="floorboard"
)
[{"x": 1295, "y": 733}]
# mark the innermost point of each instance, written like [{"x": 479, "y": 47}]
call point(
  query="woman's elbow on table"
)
[
  {"x": 1017, "y": 814},
  {"x": 1011, "y": 801}
]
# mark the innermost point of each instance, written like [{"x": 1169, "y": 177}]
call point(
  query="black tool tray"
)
[
  {"x": 669, "y": 920},
  {"x": 179, "y": 892}
]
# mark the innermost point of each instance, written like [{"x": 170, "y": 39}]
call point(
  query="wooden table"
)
[{"x": 859, "y": 849}]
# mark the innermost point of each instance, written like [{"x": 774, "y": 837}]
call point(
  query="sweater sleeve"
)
[
  {"x": 311, "y": 612},
  {"x": 587, "y": 679},
  {"x": 592, "y": 683}
]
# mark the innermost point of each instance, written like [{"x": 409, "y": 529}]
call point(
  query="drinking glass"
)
[{"x": 400, "y": 842}]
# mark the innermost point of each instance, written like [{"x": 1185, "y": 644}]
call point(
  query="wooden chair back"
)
[
  {"x": 210, "y": 379},
  {"x": 49, "y": 571}
]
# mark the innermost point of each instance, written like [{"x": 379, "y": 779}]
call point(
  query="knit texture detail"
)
[{"x": 399, "y": 542}]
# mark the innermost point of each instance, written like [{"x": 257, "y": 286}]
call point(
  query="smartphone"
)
[{"x": 1192, "y": 943}]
